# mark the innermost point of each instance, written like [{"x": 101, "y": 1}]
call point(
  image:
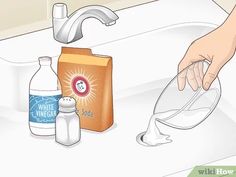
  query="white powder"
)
[{"x": 153, "y": 136}]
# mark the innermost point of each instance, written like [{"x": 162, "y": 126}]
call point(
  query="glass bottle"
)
[{"x": 44, "y": 94}]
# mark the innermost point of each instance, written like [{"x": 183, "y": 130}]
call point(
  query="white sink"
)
[{"x": 143, "y": 63}]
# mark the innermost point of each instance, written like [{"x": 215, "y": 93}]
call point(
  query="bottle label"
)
[{"x": 43, "y": 109}]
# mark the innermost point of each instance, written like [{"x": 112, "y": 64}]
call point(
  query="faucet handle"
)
[{"x": 59, "y": 10}]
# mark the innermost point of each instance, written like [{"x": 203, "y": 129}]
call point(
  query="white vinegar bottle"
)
[{"x": 44, "y": 94}]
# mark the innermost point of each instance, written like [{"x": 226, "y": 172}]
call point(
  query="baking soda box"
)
[{"x": 88, "y": 79}]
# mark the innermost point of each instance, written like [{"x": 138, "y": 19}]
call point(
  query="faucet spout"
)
[{"x": 69, "y": 29}]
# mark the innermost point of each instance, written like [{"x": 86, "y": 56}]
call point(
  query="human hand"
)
[{"x": 217, "y": 47}]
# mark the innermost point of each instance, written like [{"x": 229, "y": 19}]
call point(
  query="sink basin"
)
[{"x": 152, "y": 55}]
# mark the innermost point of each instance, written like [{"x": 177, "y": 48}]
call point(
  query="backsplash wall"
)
[
  {"x": 227, "y": 5},
  {"x": 24, "y": 16}
]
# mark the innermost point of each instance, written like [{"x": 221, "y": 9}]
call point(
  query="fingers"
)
[
  {"x": 182, "y": 80},
  {"x": 211, "y": 74},
  {"x": 194, "y": 74},
  {"x": 185, "y": 62},
  {"x": 191, "y": 77},
  {"x": 197, "y": 74},
  {"x": 201, "y": 71}
]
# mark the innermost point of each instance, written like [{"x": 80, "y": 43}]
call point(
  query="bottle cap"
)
[
  {"x": 67, "y": 104},
  {"x": 45, "y": 60}
]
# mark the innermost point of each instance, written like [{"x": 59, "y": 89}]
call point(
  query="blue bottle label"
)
[{"x": 43, "y": 109}]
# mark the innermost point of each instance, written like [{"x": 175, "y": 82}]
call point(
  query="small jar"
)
[{"x": 67, "y": 122}]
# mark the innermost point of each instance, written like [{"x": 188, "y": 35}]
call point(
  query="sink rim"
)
[
  {"x": 163, "y": 28},
  {"x": 159, "y": 29}
]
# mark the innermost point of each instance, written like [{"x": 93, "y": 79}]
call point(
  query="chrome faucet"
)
[{"x": 69, "y": 29}]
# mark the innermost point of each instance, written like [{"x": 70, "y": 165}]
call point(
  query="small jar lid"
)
[{"x": 67, "y": 104}]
